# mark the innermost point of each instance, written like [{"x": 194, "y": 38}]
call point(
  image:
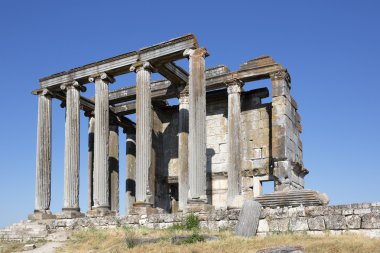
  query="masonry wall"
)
[{"x": 314, "y": 220}]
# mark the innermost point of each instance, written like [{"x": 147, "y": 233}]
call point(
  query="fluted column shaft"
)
[
  {"x": 91, "y": 131},
  {"x": 183, "y": 134},
  {"x": 101, "y": 170},
  {"x": 197, "y": 123},
  {"x": 233, "y": 141},
  {"x": 43, "y": 157},
  {"x": 131, "y": 171},
  {"x": 114, "y": 167},
  {"x": 143, "y": 133},
  {"x": 71, "y": 162}
]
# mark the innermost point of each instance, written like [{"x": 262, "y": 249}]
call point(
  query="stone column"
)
[
  {"x": 197, "y": 124},
  {"x": 72, "y": 132},
  {"x": 131, "y": 171},
  {"x": 113, "y": 162},
  {"x": 143, "y": 132},
  {"x": 101, "y": 170},
  {"x": 183, "y": 133},
  {"x": 281, "y": 130},
  {"x": 43, "y": 158},
  {"x": 234, "y": 89},
  {"x": 91, "y": 131}
]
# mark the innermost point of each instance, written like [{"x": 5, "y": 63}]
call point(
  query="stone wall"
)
[{"x": 314, "y": 220}]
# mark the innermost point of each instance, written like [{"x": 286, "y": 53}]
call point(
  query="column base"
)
[
  {"x": 70, "y": 213},
  {"x": 100, "y": 212},
  {"x": 41, "y": 215},
  {"x": 236, "y": 203},
  {"x": 142, "y": 208},
  {"x": 198, "y": 206}
]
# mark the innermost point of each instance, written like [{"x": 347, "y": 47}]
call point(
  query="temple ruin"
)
[{"x": 211, "y": 151}]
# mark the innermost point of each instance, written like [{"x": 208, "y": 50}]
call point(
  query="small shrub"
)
[
  {"x": 195, "y": 237},
  {"x": 192, "y": 222}
]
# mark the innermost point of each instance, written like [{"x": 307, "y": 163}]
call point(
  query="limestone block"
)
[
  {"x": 223, "y": 148},
  {"x": 298, "y": 224},
  {"x": 298, "y": 211},
  {"x": 335, "y": 222},
  {"x": 254, "y": 153},
  {"x": 246, "y": 165},
  {"x": 219, "y": 158},
  {"x": 233, "y": 214},
  {"x": 362, "y": 211},
  {"x": 353, "y": 221},
  {"x": 263, "y": 226},
  {"x": 317, "y": 223},
  {"x": 279, "y": 225},
  {"x": 278, "y": 213},
  {"x": 347, "y": 212},
  {"x": 218, "y": 167},
  {"x": 371, "y": 221}
]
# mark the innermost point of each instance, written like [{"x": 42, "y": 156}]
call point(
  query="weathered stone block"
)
[
  {"x": 353, "y": 221},
  {"x": 362, "y": 211},
  {"x": 263, "y": 226},
  {"x": 279, "y": 225},
  {"x": 371, "y": 221},
  {"x": 316, "y": 223},
  {"x": 298, "y": 224},
  {"x": 335, "y": 222}
]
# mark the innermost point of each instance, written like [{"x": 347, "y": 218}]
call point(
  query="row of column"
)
[{"x": 191, "y": 150}]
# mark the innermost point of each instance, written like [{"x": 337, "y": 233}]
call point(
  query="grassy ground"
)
[
  {"x": 122, "y": 240},
  {"x": 6, "y": 247}
]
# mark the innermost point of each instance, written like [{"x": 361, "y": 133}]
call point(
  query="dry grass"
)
[
  {"x": 116, "y": 240},
  {"x": 6, "y": 247}
]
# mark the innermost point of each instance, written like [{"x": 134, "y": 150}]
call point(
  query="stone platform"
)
[{"x": 361, "y": 219}]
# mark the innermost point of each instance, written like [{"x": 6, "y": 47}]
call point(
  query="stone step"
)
[{"x": 292, "y": 198}]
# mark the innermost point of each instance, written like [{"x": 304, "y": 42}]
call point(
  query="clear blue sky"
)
[{"x": 331, "y": 49}]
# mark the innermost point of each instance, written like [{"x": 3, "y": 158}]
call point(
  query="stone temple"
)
[
  {"x": 213, "y": 150},
  {"x": 208, "y": 155}
]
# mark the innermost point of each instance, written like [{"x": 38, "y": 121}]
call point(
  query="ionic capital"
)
[
  {"x": 102, "y": 76},
  {"x": 281, "y": 75},
  {"x": 200, "y": 52},
  {"x": 73, "y": 85},
  {"x": 136, "y": 67},
  {"x": 234, "y": 86},
  {"x": 184, "y": 97},
  {"x": 46, "y": 93}
]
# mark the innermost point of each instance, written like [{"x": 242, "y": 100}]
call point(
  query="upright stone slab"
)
[
  {"x": 131, "y": 171},
  {"x": 43, "y": 158},
  {"x": 143, "y": 132},
  {"x": 183, "y": 133},
  {"x": 234, "y": 89},
  {"x": 197, "y": 124},
  {"x": 248, "y": 219},
  {"x": 72, "y": 137},
  {"x": 114, "y": 167},
  {"x": 101, "y": 170}
]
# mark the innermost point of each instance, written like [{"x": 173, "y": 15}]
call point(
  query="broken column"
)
[
  {"x": 43, "y": 158},
  {"x": 183, "y": 133},
  {"x": 197, "y": 124},
  {"x": 131, "y": 171},
  {"x": 72, "y": 129},
  {"x": 101, "y": 170},
  {"x": 234, "y": 89},
  {"x": 114, "y": 167},
  {"x": 144, "y": 195}
]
